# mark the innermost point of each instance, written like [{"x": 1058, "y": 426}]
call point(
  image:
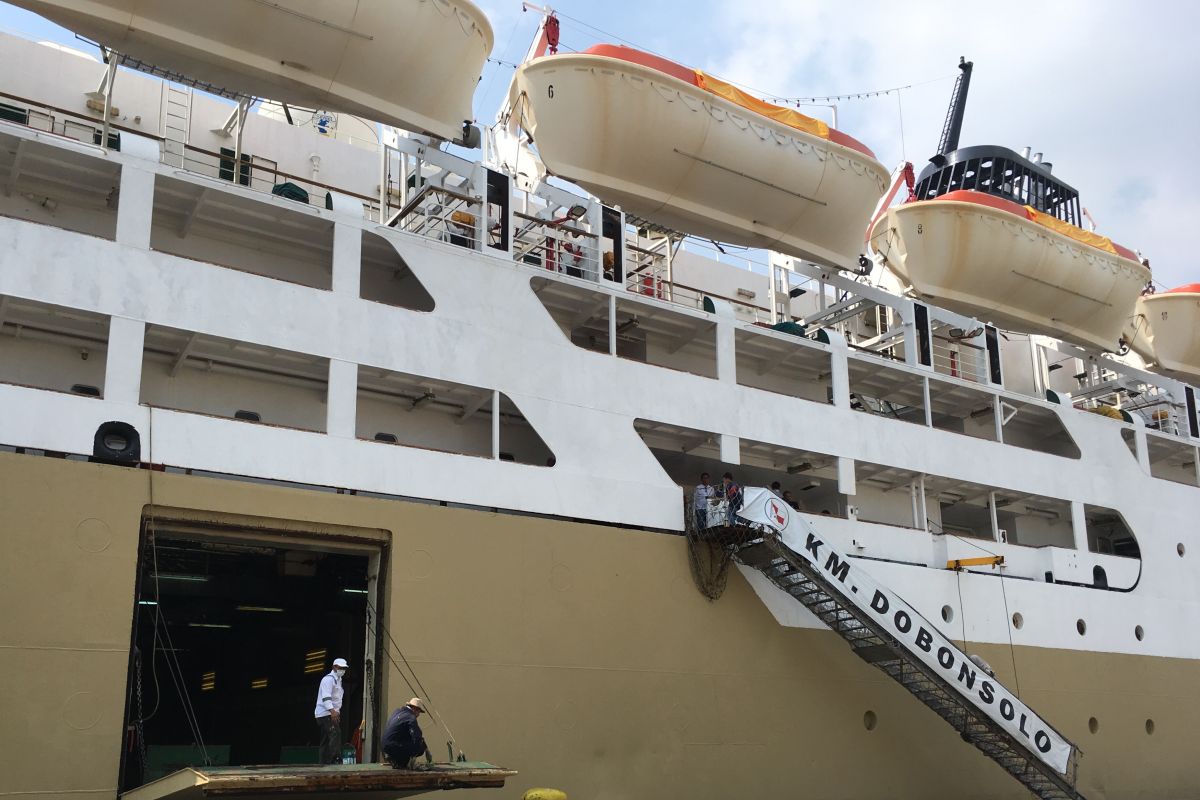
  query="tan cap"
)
[{"x": 418, "y": 704}]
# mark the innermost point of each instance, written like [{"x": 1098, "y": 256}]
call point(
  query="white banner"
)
[{"x": 914, "y": 632}]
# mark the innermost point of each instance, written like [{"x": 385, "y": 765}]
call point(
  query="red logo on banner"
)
[{"x": 778, "y": 513}]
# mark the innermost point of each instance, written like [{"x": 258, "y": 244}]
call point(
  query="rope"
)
[
  {"x": 160, "y": 623},
  {"x": 1012, "y": 652},
  {"x": 424, "y": 693}
]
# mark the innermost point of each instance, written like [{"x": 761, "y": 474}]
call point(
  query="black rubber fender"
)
[{"x": 117, "y": 442}]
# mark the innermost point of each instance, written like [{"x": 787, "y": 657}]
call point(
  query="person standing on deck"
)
[
  {"x": 733, "y": 494},
  {"x": 702, "y": 498},
  {"x": 402, "y": 738},
  {"x": 329, "y": 712}
]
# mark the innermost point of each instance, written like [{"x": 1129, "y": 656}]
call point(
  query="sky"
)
[{"x": 1108, "y": 90}]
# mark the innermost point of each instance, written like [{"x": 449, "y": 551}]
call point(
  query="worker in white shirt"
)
[{"x": 329, "y": 712}]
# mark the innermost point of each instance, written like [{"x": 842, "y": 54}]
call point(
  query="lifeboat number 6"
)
[{"x": 550, "y": 91}]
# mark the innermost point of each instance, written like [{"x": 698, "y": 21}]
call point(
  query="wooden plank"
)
[{"x": 346, "y": 781}]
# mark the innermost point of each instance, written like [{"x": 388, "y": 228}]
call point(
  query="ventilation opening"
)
[
  {"x": 189, "y": 371},
  {"x": 1108, "y": 533},
  {"x": 1018, "y": 621},
  {"x": 1139, "y": 632},
  {"x": 54, "y": 186},
  {"x": 807, "y": 480},
  {"x": 1081, "y": 627},
  {"x": 782, "y": 363},
  {"x": 51, "y": 347},
  {"x": 870, "y": 720},
  {"x": 205, "y": 224},
  {"x": 386, "y": 278},
  {"x": 1093, "y": 725},
  {"x": 414, "y": 411}
]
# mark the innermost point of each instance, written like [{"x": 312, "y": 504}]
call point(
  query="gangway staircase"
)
[{"x": 883, "y": 630}]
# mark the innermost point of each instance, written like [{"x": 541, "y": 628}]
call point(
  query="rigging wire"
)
[
  {"x": 1012, "y": 652},
  {"x": 162, "y": 630},
  {"x": 424, "y": 693},
  {"x": 768, "y": 96}
]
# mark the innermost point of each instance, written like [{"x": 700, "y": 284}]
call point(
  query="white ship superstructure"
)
[{"x": 356, "y": 333}]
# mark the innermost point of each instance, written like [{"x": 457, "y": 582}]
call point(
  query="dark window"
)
[
  {"x": 248, "y": 416},
  {"x": 14, "y": 114},
  {"x": 114, "y": 138},
  {"x": 226, "y": 168}
]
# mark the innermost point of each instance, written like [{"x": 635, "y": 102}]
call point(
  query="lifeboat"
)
[
  {"x": 411, "y": 63},
  {"x": 683, "y": 149},
  {"x": 1165, "y": 331},
  {"x": 1012, "y": 265},
  {"x": 994, "y": 235}
]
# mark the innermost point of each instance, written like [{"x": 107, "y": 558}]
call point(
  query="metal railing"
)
[
  {"x": 440, "y": 214},
  {"x": 559, "y": 246},
  {"x": 958, "y": 358}
]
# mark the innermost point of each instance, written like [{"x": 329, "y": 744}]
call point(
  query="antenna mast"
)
[{"x": 958, "y": 107}]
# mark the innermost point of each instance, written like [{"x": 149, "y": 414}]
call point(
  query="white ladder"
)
[{"x": 177, "y": 116}]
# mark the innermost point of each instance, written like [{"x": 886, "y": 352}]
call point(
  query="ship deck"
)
[{"x": 346, "y": 782}]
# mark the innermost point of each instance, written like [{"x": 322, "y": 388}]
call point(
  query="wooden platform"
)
[{"x": 314, "y": 782}]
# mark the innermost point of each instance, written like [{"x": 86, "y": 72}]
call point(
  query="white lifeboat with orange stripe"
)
[
  {"x": 970, "y": 239},
  {"x": 1165, "y": 331},
  {"x": 685, "y": 150},
  {"x": 412, "y": 63}
]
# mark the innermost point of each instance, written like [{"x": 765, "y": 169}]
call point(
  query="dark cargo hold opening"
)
[{"x": 245, "y": 630}]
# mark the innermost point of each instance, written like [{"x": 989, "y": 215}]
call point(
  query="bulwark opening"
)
[{"x": 234, "y": 627}]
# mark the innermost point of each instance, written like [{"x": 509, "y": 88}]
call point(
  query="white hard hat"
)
[{"x": 341, "y": 662}]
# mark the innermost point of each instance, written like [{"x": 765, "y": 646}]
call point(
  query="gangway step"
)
[{"x": 888, "y": 633}]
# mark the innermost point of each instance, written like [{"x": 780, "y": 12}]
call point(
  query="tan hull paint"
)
[
  {"x": 580, "y": 655},
  {"x": 1166, "y": 332},
  {"x": 413, "y": 63},
  {"x": 622, "y": 131},
  {"x": 987, "y": 263}
]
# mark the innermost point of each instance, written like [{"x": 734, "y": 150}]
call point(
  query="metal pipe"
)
[{"x": 110, "y": 79}]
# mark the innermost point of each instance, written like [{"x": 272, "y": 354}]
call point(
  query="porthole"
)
[
  {"x": 1179, "y": 548},
  {"x": 1139, "y": 633},
  {"x": 870, "y": 720},
  {"x": 1081, "y": 626},
  {"x": 1018, "y": 620},
  {"x": 1093, "y": 725},
  {"x": 947, "y": 613},
  {"x": 1149, "y": 727}
]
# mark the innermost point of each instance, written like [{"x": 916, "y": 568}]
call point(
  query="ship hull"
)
[
  {"x": 580, "y": 655},
  {"x": 685, "y": 158},
  {"x": 985, "y": 262},
  {"x": 1166, "y": 332},
  {"x": 356, "y": 58}
]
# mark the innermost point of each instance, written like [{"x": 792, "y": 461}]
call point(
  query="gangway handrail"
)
[{"x": 887, "y": 632}]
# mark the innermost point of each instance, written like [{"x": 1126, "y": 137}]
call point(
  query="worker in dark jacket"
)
[{"x": 402, "y": 738}]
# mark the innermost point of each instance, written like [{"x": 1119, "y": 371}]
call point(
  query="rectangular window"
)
[
  {"x": 226, "y": 173},
  {"x": 14, "y": 114}
]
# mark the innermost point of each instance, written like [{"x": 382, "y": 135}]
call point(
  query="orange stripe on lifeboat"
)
[{"x": 1045, "y": 220}]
